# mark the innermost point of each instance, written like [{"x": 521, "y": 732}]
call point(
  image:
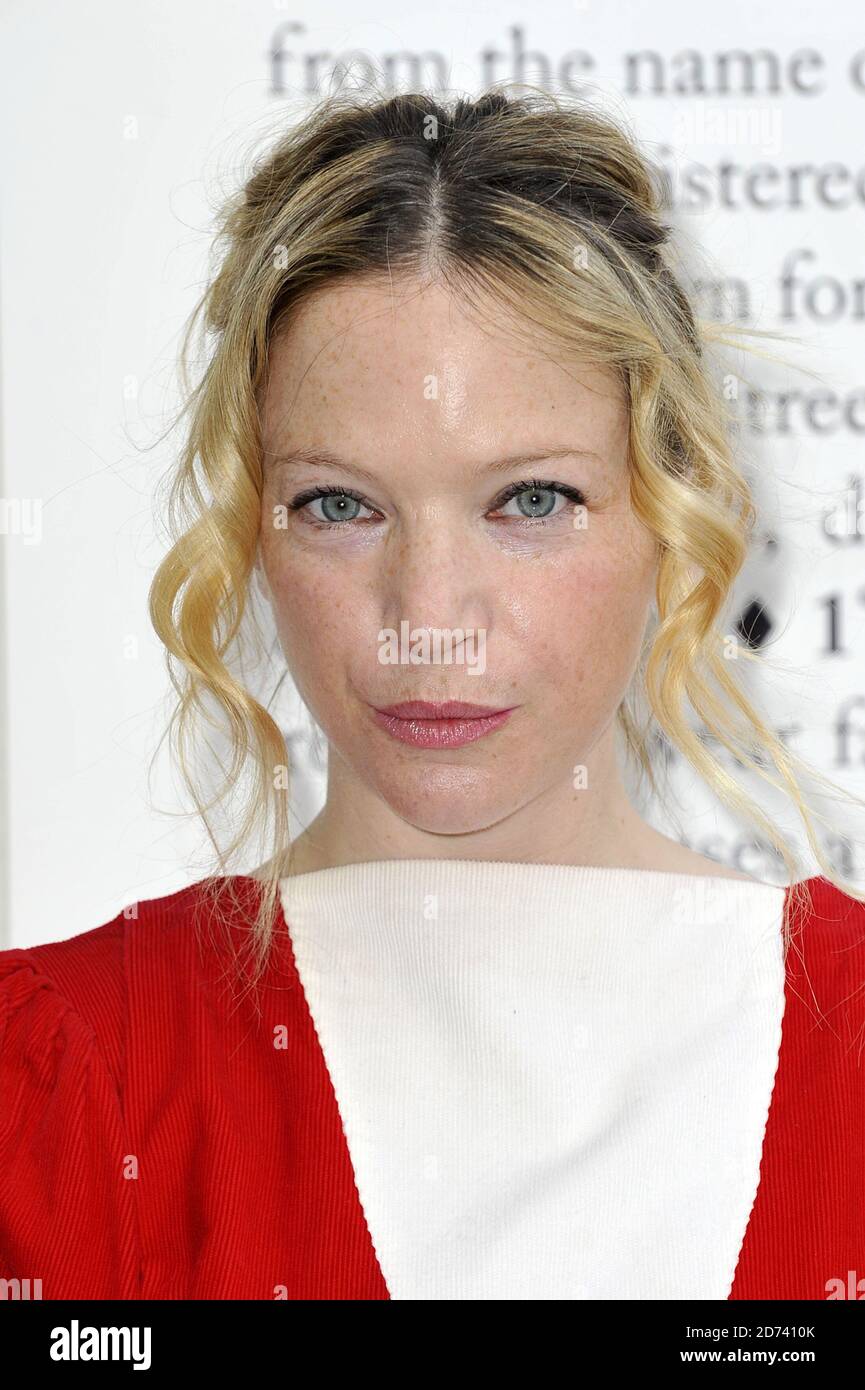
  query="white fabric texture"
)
[{"x": 553, "y": 1080}]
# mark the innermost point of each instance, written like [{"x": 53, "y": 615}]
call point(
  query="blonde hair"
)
[{"x": 550, "y": 206}]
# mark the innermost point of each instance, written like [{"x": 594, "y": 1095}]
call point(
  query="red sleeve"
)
[{"x": 68, "y": 1205}]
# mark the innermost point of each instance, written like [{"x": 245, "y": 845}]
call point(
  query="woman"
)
[{"x": 497, "y": 1037}]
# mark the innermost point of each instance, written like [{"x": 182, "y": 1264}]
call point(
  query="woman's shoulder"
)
[
  {"x": 67, "y": 1206},
  {"x": 88, "y": 975},
  {"x": 828, "y": 914},
  {"x": 825, "y": 963}
]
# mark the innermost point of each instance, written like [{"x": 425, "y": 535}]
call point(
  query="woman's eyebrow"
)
[
  {"x": 318, "y": 458},
  {"x": 523, "y": 460},
  {"x": 324, "y": 458}
]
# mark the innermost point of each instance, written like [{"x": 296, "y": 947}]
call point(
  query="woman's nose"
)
[{"x": 435, "y": 577}]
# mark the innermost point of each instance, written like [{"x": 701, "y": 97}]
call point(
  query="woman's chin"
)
[{"x": 449, "y": 801}]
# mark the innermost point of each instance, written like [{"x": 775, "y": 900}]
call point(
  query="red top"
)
[{"x": 164, "y": 1134}]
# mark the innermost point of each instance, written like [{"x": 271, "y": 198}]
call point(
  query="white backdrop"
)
[{"x": 123, "y": 125}]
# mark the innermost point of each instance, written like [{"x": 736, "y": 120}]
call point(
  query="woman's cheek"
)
[
  {"x": 598, "y": 620},
  {"x": 323, "y": 625}
]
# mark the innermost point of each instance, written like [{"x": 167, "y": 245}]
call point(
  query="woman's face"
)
[{"x": 534, "y": 603}]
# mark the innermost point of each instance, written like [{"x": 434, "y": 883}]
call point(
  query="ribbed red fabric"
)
[{"x": 167, "y": 1135}]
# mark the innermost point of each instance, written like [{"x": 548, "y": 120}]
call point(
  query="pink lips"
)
[{"x": 450, "y": 724}]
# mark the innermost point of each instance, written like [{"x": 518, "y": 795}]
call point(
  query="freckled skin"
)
[{"x": 564, "y": 608}]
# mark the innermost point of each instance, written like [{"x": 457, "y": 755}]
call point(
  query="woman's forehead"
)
[{"x": 380, "y": 373}]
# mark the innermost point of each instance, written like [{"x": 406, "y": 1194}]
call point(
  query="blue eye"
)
[
  {"x": 339, "y": 508},
  {"x": 338, "y": 505},
  {"x": 536, "y": 500}
]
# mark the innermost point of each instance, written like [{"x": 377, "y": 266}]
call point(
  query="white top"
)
[{"x": 553, "y": 1080}]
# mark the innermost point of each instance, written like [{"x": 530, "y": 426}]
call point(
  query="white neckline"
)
[
  {"x": 553, "y": 1079},
  {"x": 598, "y": 871}
]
